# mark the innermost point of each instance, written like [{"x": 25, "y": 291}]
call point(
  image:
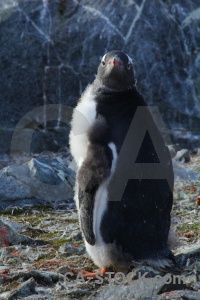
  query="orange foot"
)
[{"x": 86, "y": 274}]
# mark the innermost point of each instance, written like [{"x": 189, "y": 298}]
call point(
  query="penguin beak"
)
[{"x": 116, "y": 61}]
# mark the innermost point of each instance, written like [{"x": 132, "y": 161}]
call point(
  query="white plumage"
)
[{"x": 84, "y": 116}]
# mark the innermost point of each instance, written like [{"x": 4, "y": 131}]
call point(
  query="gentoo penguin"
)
[{"x": 136, "y": 228}]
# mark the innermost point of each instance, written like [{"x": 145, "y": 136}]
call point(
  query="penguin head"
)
[{"x": 116, "y": 71}]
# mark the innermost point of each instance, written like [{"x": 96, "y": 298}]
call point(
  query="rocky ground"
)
[{"x": 41, "y": 244}]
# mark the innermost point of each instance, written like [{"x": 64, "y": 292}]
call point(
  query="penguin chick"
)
[{"x": 118, "y": 233}]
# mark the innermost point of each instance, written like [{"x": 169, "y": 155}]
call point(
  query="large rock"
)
[
  {"x": 25, "y": 289},
  {"x": 50, "y": 51},
  {"x": 144, "y": 288},
  {"x": 37, "y": 182}
]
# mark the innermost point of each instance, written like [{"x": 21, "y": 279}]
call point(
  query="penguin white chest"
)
[{"x": 83, "y": 117}]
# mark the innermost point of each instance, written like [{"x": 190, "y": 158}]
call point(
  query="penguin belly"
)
[
  {"x": 99, "y": 252},
  {"x": 105, "y": 254},
  {"x": 84, "y": 117}
]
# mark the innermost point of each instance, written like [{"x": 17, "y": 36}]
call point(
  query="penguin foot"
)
[{"x": 85, "y": 274}]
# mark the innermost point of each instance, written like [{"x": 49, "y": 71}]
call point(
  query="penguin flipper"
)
[
  {"x": 86, "y": 205},
  {"x": 94, "y": 170}
]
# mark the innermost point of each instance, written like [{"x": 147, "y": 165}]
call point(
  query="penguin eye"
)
[
  {"x": 103, "y": 63},
  {"x": 129, "y": 66}
]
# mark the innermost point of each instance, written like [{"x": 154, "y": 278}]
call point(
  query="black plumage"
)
[{"x": 139, "y": 224}]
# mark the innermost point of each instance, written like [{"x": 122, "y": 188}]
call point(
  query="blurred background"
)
[{"x": 50, "y": 51}]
